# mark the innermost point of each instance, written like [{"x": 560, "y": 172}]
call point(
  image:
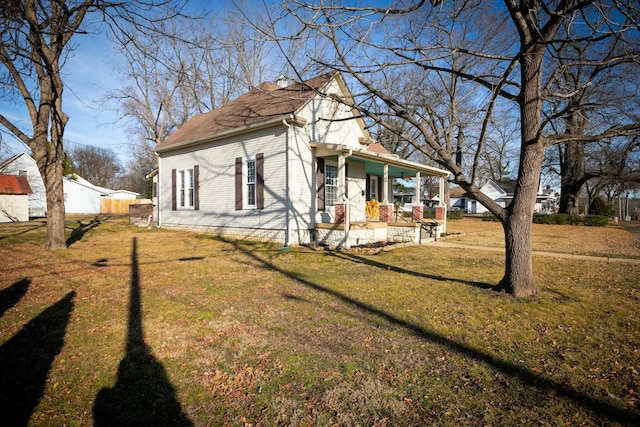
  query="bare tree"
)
[
  {"x": 98, "y": 165},
  {"x": 170, "y": 79},
  {"x": 370, "y": 43},
  {"x": 499, "y": 155},
  {"x": 597, "y": 103},
  {"x": 36, "y": 40}
]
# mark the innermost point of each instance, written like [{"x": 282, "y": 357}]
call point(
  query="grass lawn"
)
[{"x": 136, "y": 326}]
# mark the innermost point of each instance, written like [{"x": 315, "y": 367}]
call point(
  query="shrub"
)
[
  {"x": 599, "y": 206},
  {"x": 596, "y": 220},
  {"x": 429, "y": 213},
  {"x": 561, "y": 219},
  {"x": 576, "y": 219},
  {"x": 455, "y": 215},
  {"x": 488, "y": 216}
]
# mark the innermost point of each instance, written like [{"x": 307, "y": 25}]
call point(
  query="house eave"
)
[
  {"x": 288, "y": 118},
  {"x": 389, "y": 159}
]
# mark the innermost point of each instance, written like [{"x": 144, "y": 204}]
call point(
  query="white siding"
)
[
  {"x": 331, "y": 122},
  {"x": 303, "y": 181},
  {"x": 14, "y": 207},
  {"x": 356, "y": 182},
  {"x": 37, "y": 199},
  {"x": 217, "y": 182},
  {"x": 494, "y": 193},
  {"x": 80, "y": 199},
  {"x": 216, "y": 162}
]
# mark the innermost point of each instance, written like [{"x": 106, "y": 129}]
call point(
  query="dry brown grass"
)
[
  {"x": 248, "y": 334},
  {"x": 610, "y": 241}
]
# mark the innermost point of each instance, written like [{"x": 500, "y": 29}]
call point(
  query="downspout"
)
[
  {"x": 158, "y": 190},
  {"x": 345, "y": 199},
  {"x": 287, "y": 237},
  {"x": 347, "y": 214}
]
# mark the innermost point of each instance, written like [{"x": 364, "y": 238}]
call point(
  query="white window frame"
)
[
  {"x": 249, "y": 182},
  {"x": 373, "y": 188},
  {"x": 185, "y": 191},
  {"x": 331, "y": 183}
]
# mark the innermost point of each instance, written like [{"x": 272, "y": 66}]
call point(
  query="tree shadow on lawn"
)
[
  {"x": 34, "y": 227},
  {"x": 14, "y": 293},
  {"x": 367, "y": 261},
  {"x": 25, "y": 361},
  {"x": 143, "y": 394},
  {"x": 601, "y": 407},
  {"x": 78, "y": 232}
]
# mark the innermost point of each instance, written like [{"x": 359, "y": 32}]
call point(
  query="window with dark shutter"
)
[
  {"x": 367, "y": 183},
  {"x": 260, "y": 181},
  {"x": 174, "y": 201},
  {"x": 196, "y": 187},
  {"x": 320, "y": 183},
  {"x": 238, "y": 183}
]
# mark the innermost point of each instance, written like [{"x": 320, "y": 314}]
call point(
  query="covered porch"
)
[{"x": 356, "y": 200}]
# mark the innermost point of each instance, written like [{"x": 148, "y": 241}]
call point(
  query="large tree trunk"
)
[
  {"x": 51, "y": 163},
  {"x": 572, "y": 175},
  {"x": 518, "y": 278},
  {"x": 56, "y": 236}
]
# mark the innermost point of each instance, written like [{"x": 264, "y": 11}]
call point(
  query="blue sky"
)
[{"x": 88, "y": 76}]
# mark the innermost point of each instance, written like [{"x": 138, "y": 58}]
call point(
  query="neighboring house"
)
[
  {"x": 24, "y": 165},
  {"x": 14, "y": 198},
  {"x": 502, "y": 193},
  {"x": 82, "y": 197},
  {"x": 458, "y": 199},
  {"x": 282, "y": 163}
]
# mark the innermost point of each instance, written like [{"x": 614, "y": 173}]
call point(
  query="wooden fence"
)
[{"x": 120, "y": 206}]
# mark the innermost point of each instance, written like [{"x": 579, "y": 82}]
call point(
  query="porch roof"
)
[{"x": 374, "y": 162}]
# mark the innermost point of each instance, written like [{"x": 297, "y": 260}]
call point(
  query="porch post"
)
[
  {"x": 418, "y": 200},
  {"x": 341, "y": 178},
  {"x": 385, "y": 183},
  {"x": 441, "y": 210}
]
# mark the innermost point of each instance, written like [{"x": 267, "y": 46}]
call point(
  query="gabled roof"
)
[
  {"x": 11, "y": 184},
  {"x": 77, "y": 179},
  {"x": 13, "y": 158},
  {"x": 265, "y": 103},
  {"x": 507, "y": 185},
  {"x": 457, "y": 192}
]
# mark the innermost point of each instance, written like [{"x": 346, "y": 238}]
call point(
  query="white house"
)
[
  {"x": 501, "y": 191},
  {"x": 24, "y": 165},
  {"x": 14, "y": 198},
  {"x": 82, "y": 197},
  {"x": 284, "y": 163}
]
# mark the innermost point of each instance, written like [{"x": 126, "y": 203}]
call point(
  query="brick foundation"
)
[{"x": 440, "y": 213}]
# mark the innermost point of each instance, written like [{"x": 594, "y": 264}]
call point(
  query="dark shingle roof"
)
[
  {"x": 507, "y": 185},
  {"x": 457, "y": 192},
  {"x": 261, "y": 104},
  {"x": 11, "y": 184}
]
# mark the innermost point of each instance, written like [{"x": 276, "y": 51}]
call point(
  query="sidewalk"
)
[
  {"x": 446, "y": 244},
  {"x": 633, "y": 228}
]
